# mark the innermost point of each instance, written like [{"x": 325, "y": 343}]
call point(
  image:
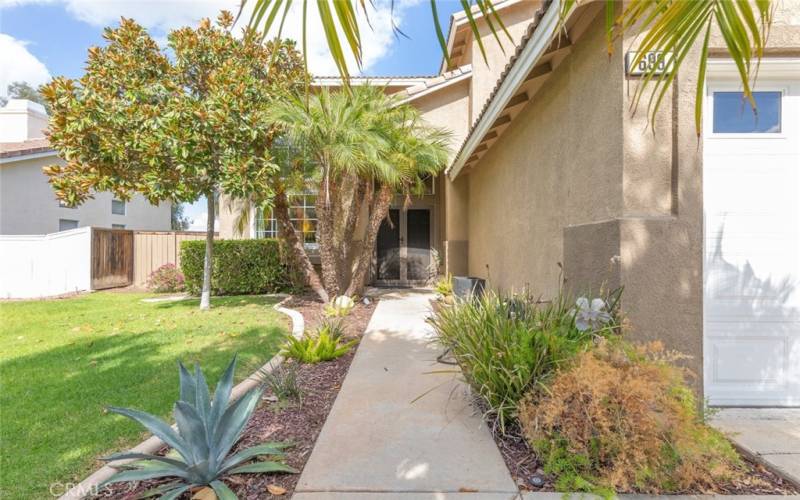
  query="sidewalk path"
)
[
  {"x": 770, "y": 435},
  {"x": 376, "y": 440}
]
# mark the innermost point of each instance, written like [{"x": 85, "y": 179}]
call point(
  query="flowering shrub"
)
[{"x": 166, "y": 278}]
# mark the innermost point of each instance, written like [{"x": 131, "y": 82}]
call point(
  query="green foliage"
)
[
  {"x": 174, "y": 123},
  {"x": 444, "y": 286},
  {"x": 283, "y": 383},
  {"x": 622, "y": 419},
  {"x": 179, "y": 221},
  {"x": 208, "y": 429},
  {"x": 323, "y": 345},
  {"x": 239, "y": 267},
  {"x": 84, "y": 352},
  {"x": 506, "y": 344},
  {"x": 166, "y": 278}
]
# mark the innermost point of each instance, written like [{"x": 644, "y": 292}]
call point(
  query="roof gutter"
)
[{"x": 531, "y": 53}]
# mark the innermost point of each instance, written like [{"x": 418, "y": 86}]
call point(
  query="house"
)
[
  {"x": 553, "y": 180},
  {"x": 28, "y": 204}
]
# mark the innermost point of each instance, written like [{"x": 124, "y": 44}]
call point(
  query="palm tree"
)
[
  {"x": 662, "y": 25},
  {"x": 365, "y": 147}
]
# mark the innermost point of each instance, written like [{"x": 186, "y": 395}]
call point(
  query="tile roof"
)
[
  {"x": 22, "y": 148},
  {"x": 531, "y": 29},
  {"x": 436, "y": 81}
]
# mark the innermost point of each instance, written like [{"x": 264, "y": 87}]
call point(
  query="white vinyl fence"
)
[{"x": 45, "y": 265}]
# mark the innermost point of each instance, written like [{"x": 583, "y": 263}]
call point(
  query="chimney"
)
[{"x": 21, "y": 120}]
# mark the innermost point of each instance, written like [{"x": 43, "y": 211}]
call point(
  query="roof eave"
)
[{"x": 530, "y": 54}]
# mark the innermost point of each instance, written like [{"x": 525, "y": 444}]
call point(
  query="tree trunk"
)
[
  {"x": 380, "y": 210},
  {"x": 352, "y": 198},
  {"x": 205, "y": 296},
  {"x": 299, "y": 253},
  {"x": 327, "y": 248}
]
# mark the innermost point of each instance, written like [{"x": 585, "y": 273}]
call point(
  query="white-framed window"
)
[
  {"x": 733, "y": 114},
  {"x": 302, "y": 214},
  {"x": 117, "y": 226},
  {"x": 63, "y": 204},
  {"x": 67, "y": 224},
  {"x": 117, "y": 207}
]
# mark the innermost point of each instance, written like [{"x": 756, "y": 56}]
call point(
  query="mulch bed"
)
[
  {"x": 297, "y": 422},
  {"x": 521, "y": 460}
]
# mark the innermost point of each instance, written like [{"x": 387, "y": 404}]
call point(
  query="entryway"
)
[
  {"x": 751, "y": 192},
  {"x": 403, "y": 250}
]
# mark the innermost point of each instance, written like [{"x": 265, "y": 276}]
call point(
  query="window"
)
[
  {"x": 63, "y": 204},
  {"x": 734, "y": 115},
  {"x": 117, "y": 207},
  {"x": 117, "y": 226},
  {"x": 67, "y": 224},
  {"x": 303, "y": 216}
]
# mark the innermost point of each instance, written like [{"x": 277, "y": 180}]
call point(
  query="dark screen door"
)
[
  {"x": 418, "y": 240},
  {"x": 388, "y": 247}
]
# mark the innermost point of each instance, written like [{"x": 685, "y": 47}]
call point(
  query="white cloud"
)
[
  {"x": 18, "y": 64},
  {"x": 161, "y": 16}
]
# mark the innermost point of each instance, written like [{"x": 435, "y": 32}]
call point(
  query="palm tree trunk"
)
[
  {"x": 380, "y": 210},
  {"x": 205, "y": 296},
  {"x": 325, "y": 240},
  {"x": 289, "y": 235},
  {"x": 351, "y": 211}
]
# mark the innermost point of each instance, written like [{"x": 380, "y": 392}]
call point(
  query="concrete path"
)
[
  {"x": 769, "y": 435},
  {"x": 376, "y": 440}
]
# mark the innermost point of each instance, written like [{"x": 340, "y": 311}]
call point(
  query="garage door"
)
[{"x": 751, "y": 184}]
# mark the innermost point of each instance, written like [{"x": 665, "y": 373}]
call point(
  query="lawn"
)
[{"x": 63, "y": 361}]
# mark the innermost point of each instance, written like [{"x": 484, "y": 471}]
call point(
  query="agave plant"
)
[{"x": 206, "y": 432}]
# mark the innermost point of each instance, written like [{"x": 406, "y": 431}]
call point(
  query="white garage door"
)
[{"x": 751, "y": 184}]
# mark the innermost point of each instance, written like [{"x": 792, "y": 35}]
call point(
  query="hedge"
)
[{"x": 240, "y": 267}]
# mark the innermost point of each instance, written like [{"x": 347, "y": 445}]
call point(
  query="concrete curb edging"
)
[{"x": 152, "y": 444}]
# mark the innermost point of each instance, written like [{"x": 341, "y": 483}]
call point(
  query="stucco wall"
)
[
  {"x": 549, "y": 170},
  {"x": 28, "y": 204}
]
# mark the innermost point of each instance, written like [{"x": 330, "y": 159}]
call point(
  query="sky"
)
[{"x": 40, "y": 39}]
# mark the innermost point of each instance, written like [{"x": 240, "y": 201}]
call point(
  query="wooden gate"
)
[{"x": 112, "y": 258}]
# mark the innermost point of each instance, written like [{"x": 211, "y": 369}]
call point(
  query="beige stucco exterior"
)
[{"x": 574, "y": 190}]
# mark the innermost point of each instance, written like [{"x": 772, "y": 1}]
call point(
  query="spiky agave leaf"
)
[{"x": 207, "y": 431}]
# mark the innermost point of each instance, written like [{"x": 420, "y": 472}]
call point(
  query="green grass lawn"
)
[{"x": 63, "y": 361}]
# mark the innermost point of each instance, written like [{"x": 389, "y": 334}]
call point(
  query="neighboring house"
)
[
  {"x": 28, "y": 204},
  {"x": 552, "y": 177}
]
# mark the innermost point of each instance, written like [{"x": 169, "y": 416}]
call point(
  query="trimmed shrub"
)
[
  {"x": 166, "y": 278},
  {"x": 505, "y": 344},
  {"x": 622, "y": 419},
  {"x": 239, "y": 267}
]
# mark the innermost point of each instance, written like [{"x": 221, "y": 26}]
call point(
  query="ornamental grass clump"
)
[
  {"x": 207, "y": 430},
  {"x": 506, "y": 344},
  {"x": 623, "y": 419}
]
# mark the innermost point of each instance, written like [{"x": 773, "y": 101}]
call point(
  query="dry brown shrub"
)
[{"x": 623, "y": 419}]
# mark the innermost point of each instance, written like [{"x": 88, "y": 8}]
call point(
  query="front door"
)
[
  {"x": 403, "y": 250},
  {"x": 752, "y": 244}
]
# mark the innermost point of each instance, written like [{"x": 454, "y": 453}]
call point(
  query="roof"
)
[
  {"x": 435, "y": 83},
  {"x": 516, "y": 60},
  {"x": 25, "y": 148},
  {"x": 405, "y": 81}
]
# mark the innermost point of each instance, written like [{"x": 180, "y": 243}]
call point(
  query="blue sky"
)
[{"x": 40, "y": 39}]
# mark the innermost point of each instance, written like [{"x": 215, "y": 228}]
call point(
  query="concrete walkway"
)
[
  {"x": 769, "y": 435},
  {"x": 377, "y": 440}
]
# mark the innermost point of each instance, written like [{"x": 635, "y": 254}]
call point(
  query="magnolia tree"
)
[{"x": 178, "y": 124}]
